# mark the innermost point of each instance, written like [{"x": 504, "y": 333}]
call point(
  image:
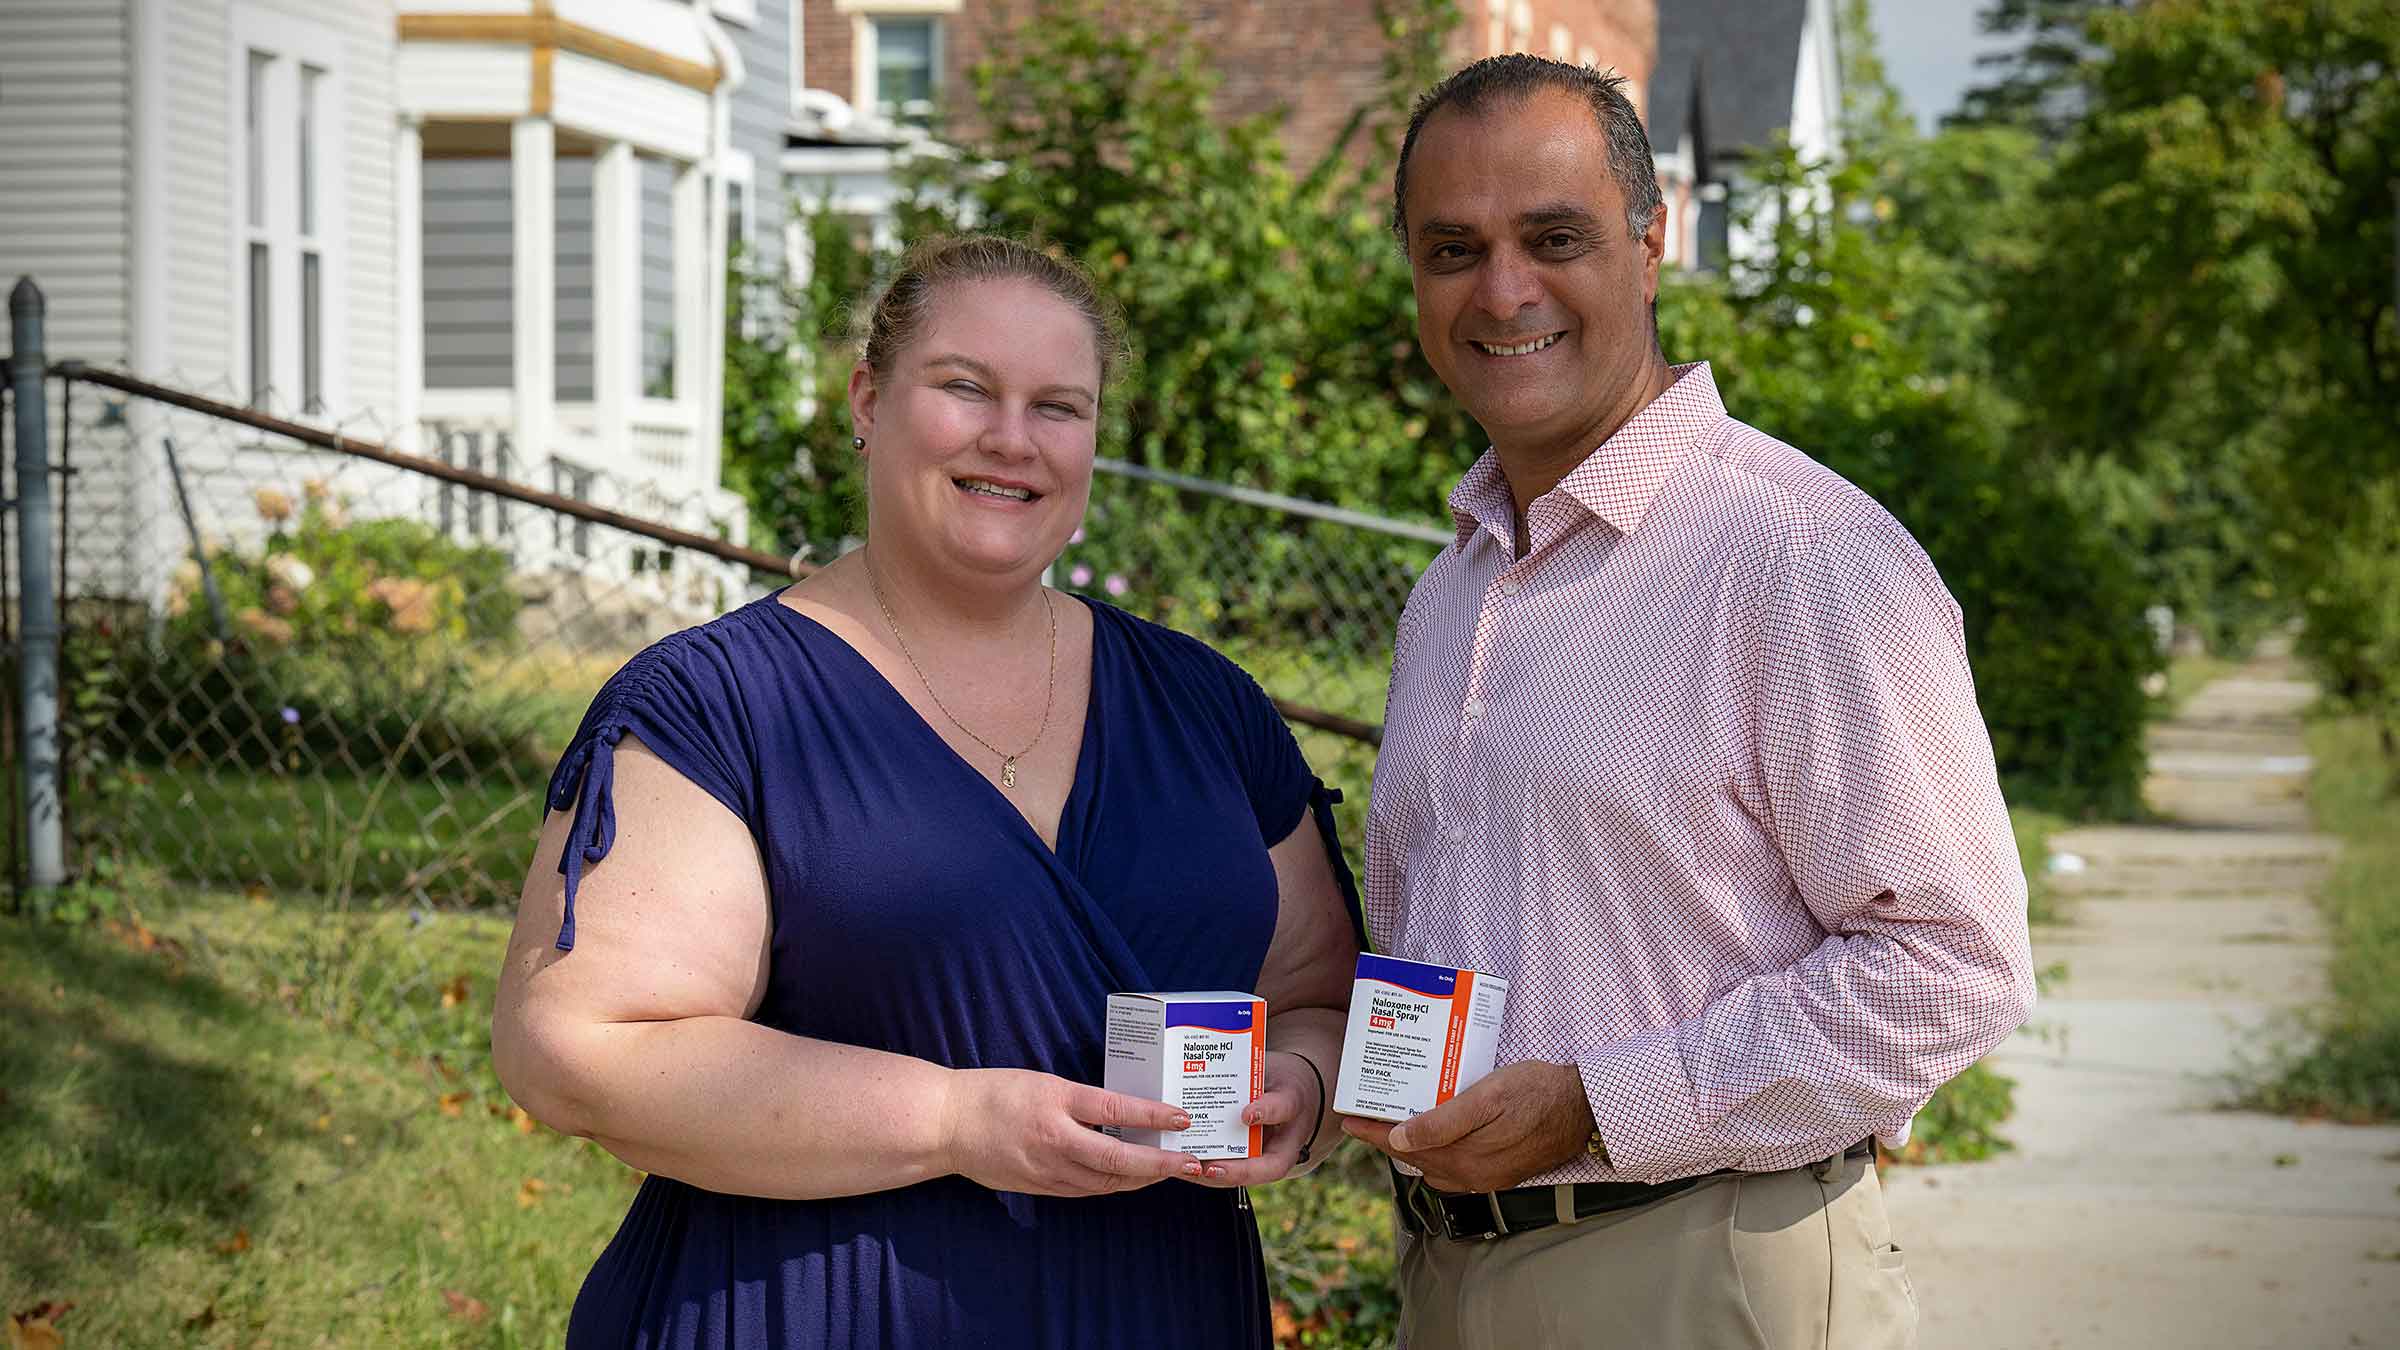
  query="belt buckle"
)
[{"x": 1449, "y": 1223}]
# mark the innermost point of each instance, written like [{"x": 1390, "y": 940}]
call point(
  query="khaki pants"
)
[{"x": 1768, "y": 1261}]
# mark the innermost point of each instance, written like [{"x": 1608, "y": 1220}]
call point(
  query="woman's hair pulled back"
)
[{"x": 935, "y": 266}]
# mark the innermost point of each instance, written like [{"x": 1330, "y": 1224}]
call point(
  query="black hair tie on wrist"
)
[{"x": 1319, "y": 1123}]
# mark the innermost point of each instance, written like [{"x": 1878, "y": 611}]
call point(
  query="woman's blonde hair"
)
[{"x": 936, "y": 265}]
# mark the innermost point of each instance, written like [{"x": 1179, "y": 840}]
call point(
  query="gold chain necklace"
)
[{"x": 1008, "y": 762}]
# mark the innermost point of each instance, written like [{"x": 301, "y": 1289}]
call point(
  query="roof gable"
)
[{"x": 1727, "y": 73}]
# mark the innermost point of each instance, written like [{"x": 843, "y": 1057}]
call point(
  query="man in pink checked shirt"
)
[{"x": 1682, "y": 741}]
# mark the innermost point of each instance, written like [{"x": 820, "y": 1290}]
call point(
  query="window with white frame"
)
[
  {"x": 897, "y": 51},
  {"x": 908, "y": 65},
  {"x": 287, "y": 179}
]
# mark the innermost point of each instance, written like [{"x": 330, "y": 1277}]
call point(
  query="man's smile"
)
[{"x": 1519, "y": 349}]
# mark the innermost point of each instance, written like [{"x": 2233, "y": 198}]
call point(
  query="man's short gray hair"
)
[{"x": 1516, "y": 77}]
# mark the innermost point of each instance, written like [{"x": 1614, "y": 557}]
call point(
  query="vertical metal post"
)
[
  {"x": 191, "y": 531},
  {"x": 37, "y": 665}
]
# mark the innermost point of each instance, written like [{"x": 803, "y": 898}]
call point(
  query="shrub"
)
[
  {"x": 1819, "y": 347},
  {"x": 2351, "y": 606},
  {"x": 345, "y": 647},
  {"x": 328, "y": 580},
  {"x": 1330, "y": 1265},
  {"x": 1962, "y": 1122}
]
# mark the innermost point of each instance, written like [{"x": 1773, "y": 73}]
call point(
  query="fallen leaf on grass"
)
[
  {"x": 150, "y": 941},
  {"x": 466, "y": 1308},
  {"x": 256, "y": 892},
  {"x": 518, "y": 1116},
  {"x": 453, "y": 1103},
  {"x": 135, "y": 935},
  {"x": 325, "y": 1122},
  {"x": 530, "y": 1194},
  {"x": 235, "y": 1245},
  {"x": 36, "y": 1328},
  {"x": 454, "y": 993}
]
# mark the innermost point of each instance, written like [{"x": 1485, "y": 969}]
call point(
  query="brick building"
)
[{"x": 1320, "y": 59}]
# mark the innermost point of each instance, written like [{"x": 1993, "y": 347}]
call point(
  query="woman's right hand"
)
[{"x": 1019, "y": 1130}]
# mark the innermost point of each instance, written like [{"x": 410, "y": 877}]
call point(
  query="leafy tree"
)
[
  {"x": 788, "y": 354},
  {"x": 1829, "y": 344},
  {"x": 2035, "y": 84},
  {"x": 2211, "y": 304},
  {"x": 1273, "y": 317}
]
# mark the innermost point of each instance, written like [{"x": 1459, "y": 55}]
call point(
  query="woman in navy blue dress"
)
[{"x": 834, "y": 889}]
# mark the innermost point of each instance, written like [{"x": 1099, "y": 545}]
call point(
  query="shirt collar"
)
[{"x": 1618, "y": 480}]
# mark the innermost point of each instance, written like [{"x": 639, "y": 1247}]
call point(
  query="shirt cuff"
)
[{"x": 1642, "y": 1104}]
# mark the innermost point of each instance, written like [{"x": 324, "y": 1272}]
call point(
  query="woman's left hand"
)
[{"x": 1289, "y": 1108}]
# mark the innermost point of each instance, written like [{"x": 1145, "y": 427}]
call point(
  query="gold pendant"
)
[{"x": 1008, "y": 772}]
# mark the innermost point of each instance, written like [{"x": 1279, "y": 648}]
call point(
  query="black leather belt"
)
[{"x": 1484, "y": 1215}]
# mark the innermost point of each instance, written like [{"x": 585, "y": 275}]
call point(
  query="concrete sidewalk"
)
[{"x": 2135, "y": 1212}]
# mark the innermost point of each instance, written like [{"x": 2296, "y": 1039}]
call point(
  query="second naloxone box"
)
[
  {"x": 1418, "y": 1035},
  {"x": 1205, "y": 1053}
]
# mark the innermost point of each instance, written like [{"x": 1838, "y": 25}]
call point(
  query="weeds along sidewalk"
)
[{"x": 2348, "y": 1065}]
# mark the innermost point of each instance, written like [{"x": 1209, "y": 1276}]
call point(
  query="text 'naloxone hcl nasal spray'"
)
[
  {"x": 1418, "y": 1035},
  {"x": 1204, "y": 1053}
]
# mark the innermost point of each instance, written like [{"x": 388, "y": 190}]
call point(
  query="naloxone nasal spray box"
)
[
  {"x": 1205, "y": 1053},
  {"x": 1418, "y": 1035}
]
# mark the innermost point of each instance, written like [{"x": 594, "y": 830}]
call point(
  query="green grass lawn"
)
[
  {"x": 194, "y": 1152},
  {"x": 241, "y": 1120},
  {"x": 2350, "y": 1066}
]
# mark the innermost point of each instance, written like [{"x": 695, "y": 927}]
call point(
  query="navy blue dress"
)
[{"x": 914, "y": 910}]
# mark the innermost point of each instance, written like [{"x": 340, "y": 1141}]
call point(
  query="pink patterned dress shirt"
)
[{"x": 1703, "y": 776}]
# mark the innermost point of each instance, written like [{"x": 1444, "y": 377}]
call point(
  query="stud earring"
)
[{"x": 858, "y": 442}]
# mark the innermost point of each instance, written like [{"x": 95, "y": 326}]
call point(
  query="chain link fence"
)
[
  {"x": 303, "y": 667},
  {"x": 295, "y": 660},
  {"x": 1302, "y": 595}
]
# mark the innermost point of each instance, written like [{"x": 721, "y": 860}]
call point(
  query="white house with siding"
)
[{"x": 491, "y": 231}]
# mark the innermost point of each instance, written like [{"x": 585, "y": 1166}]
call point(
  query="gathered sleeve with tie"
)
[{"x": 680, "y": 699}]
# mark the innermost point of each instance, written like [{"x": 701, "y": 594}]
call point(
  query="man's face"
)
[{"x": 1533, "y": 301}]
